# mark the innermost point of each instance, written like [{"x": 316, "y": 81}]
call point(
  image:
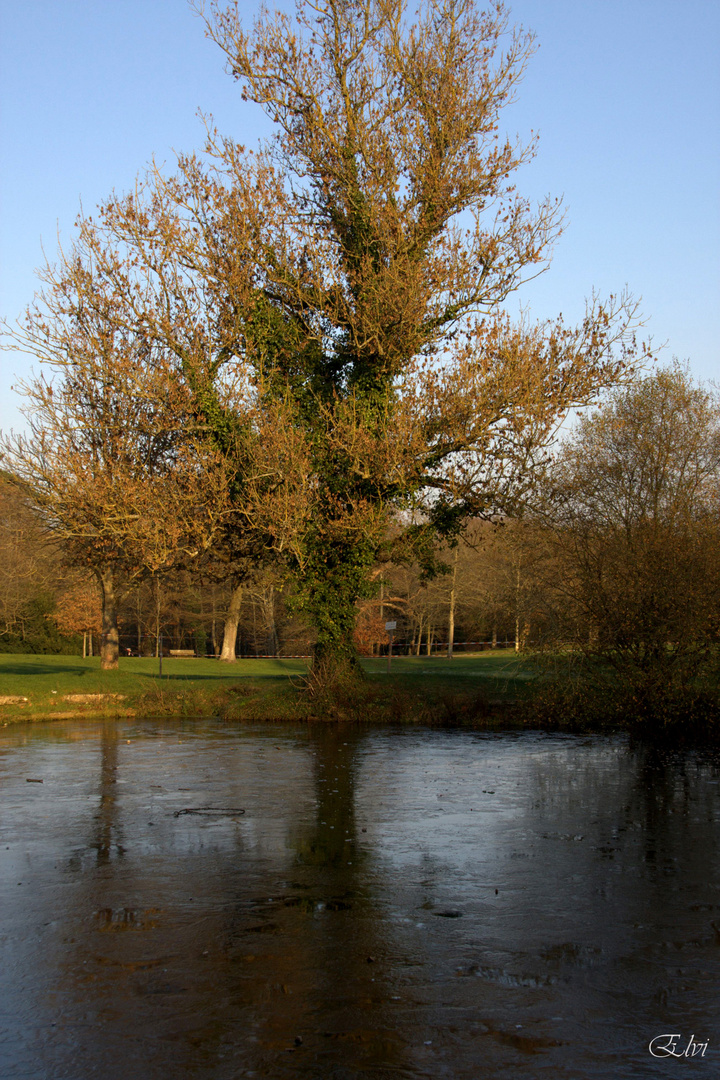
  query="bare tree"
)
[
  {"x": 79, "y": 611},
  {"x": 110, "y": 461},
  {"x": 634, "y": 500},
  {"x": 27, "y": 565}
]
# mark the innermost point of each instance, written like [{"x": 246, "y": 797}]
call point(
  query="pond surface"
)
[{"x": 346, "y": 902}]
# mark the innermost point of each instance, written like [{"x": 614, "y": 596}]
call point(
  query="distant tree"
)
[
  {"x": 634, "y": 504},
  {"x": 111, "y": 461},
  {"x": 79, "y": 610},
  {"x": 515, "y": 564},
  {"x": 27, "y": 565}
]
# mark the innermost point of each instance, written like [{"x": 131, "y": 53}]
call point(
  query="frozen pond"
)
[{"x": 199, "y": 900}]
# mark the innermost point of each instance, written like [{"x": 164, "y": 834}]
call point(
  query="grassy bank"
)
[{"x": 430, "y": 689}]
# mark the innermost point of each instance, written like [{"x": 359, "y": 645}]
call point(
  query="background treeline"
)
[
  {"x": 615, "y": 567},
  {"x": 47, "y": 608}
]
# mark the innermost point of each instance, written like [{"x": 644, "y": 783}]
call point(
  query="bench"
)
[{"x": 182, "y": 653}]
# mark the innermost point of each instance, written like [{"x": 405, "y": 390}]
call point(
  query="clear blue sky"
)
[{"x": 625, "y": 95}]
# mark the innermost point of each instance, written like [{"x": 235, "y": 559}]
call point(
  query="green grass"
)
[
  {"x": 72, "y": 674},
  {"x": 498, "y": 664},
  {"x": 251, "y": 689}
]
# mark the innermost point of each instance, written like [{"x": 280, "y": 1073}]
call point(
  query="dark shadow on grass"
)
[
  {"x": 230, "y": 677},
  {"x": 183, "y": 678},
  {"x": 40, "y": 668}
]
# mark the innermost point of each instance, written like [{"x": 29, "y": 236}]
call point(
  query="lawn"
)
[
  {"x": 56, "y": 685},
  {"x": 499, "y": 664}
]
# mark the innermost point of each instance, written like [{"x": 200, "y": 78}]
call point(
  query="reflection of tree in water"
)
[
  {"x": 331, "y": 840},
  {"x": 265, "y": 953},
  {"x": 318, "y": 946},
  {"x": 670, "y": 821},
  {"x": 650, "y": 867},
  {"x": 646, "y": 805},
  {"x": 677, "y": 808},
  {"x": 105, "y": 838},
  {"x": 107, "y": 830}
]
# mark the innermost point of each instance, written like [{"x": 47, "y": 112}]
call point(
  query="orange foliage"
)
[
  {"x": 369, "y": 630},
  {"x": 79, "y": 610}
]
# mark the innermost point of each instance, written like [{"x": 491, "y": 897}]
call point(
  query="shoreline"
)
[{"x": 485, "y": 692}]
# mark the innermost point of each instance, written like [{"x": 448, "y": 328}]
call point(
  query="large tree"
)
[
  {"x": 332, "y": 299},
  {"x": 381, "y": 234}
]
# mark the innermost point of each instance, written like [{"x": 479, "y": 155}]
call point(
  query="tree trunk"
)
[
  {"x": 451, "y": 613},
  {"x": 336, "y": 576},
  {"x": 451, "y": 625},
  {"x": 110, "y": 642},
  {"x": 272, "y": 644},
  {"x": 231, "y": 626},
  {"x": 156, "y": 585}
]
